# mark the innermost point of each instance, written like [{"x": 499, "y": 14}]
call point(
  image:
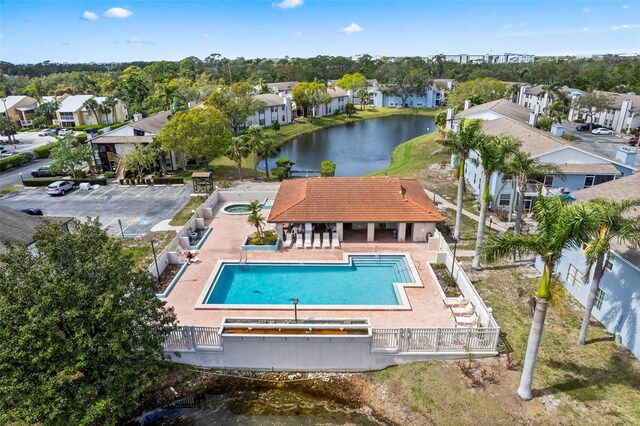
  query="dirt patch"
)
[
  {"x": 167, "y": 276},
  {"x": 446, "y": 281}
]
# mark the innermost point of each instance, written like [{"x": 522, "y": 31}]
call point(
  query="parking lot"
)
[
  {"x": 604, "y": 145},
  {"x": 137, "y": 208}
]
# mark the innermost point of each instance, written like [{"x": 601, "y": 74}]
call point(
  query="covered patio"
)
[{"x": 357, "y": 208}]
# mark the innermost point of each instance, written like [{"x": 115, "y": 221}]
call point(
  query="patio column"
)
[
  {"x": 279, "y": 231},
  {"x": 402, "y": 231},
  {"x": 340, "y": 229},
  {"x": 371, "y": 231}
]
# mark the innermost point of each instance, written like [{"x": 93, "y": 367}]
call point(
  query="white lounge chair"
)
[
  {"x": 455, "y": 301},
  {"x": 467, "y": 321},
  {"x": 335, "y": 241},
  {"x": 307, "y": 240},
  {"x": 465, "y": 310},
  {"x": 325, "y": 240},
  {"x": 288, "y": 240},
  {"x": 316, "y": 240},
  {"x": 299, "y": 241}
]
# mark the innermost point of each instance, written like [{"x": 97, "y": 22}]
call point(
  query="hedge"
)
[
  {"x": 154, "y": 181},
  {"x": 44, "y": 151},
  {"x": 47, "y": 181},
  {"x": 15, "y": 160}
]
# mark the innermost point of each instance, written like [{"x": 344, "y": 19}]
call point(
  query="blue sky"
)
[{"x": 104, "y": 31}]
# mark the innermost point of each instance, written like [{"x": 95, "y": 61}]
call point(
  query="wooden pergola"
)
[{"x": 202, "y": 182}]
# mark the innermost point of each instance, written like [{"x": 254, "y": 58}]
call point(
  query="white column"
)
[
  {"x": 340, "y": 229},
  {"x": 402, "y": 231},
  {"x": 371, "y": 231},
  {"x": 279, "y": 231}
]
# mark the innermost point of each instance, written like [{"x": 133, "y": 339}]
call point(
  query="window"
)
[
  {"x": 262, "y": 121},
  {"x": 66, "y": 116},
  {"x": 548, "y": 180},
  {"x": 608, "y": 263},
  {"x": 504, "y": 200},
  {"x": 574, "y": 277},
  {"x": 600, "y": 295},
  {"x": 283, "y": 118},
  {"x": 588, "y": 181}
]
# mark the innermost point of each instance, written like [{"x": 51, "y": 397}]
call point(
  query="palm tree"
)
[
  {"x": 255, "y": 218},
  {"x": 522, "y": 167},
  {"x": 364, "y": 96},
  {"x": 92, "y": 105},
  {"x": 558, "y": 224},
  {"x": 268, "y": 149},
  {"x": 238, "y": 150},
  {"x": 460, "y": 144},
  {"x": 104, "y": 109},
  {"x": 552, "y": 90},
  {"x": 609, "y": 222},
  {"x": 494, "y": 153},
  {"x": 255, "y": 137},
  {"x": 168, "y": 93},
  {"x": 111, "y": 103}
]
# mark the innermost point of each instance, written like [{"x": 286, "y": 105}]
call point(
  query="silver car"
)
[
  {"x": 60, "y": 187},
  {"x": 601, "y": 131}
]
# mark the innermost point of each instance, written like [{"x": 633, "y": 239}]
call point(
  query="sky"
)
[{"x": 33, "y": 31}]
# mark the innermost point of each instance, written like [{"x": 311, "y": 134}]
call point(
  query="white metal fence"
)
[
  {"x": 435, "y": 339},
  {"x": 192, "y": 338}
]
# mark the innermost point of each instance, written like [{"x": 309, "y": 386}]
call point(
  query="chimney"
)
[
  {"x": 626, "y": 155},
  {"x": 450, "y": 111},
  {"x": 137, "y": 116},
  {"x": 533, "y": 116},
  {"x": 467, "y": 104}
]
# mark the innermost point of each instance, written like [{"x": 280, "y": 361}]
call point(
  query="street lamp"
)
[
  {"x": 295, "y": 309},
  {"x": 121, "y": 230},
  {"x": 21, "y": 180},
  {"x": 155, "y": 259}
]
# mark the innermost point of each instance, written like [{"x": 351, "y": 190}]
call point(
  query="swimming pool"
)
[
  {"x": 358, "y": 282},
  {"x": 236, "y": 209}
]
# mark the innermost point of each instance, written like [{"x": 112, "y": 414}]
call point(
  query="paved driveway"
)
[{"x": 137, "y": 208}]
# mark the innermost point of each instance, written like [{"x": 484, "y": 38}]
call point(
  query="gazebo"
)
[
  {"x": 202, "y": 182},
  {"x": 357, "y": 205}
]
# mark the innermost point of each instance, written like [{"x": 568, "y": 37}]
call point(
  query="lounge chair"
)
[
  {"x": 316, "y": 240},
  {"x": 467, "y": 321},
  {"x": 454, "y": 301},
  {"x": 307, "y": 240},
  {"x": 325, "y": 240},
  {"x": 288, "y": 240},
  {"x": 335, "y": 241},
  {"x": 299, "y": 241},
  {"x": 465, "y": 310}
]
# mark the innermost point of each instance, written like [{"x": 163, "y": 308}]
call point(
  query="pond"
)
[
  {"x": 264, "y": 407},
  {"x": 357, "y": 148}
]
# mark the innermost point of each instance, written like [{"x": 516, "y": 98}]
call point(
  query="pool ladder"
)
[{"x": 244, "y": 258}]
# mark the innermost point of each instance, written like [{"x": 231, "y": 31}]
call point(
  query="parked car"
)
[
  {"x": 60, "y": 187},
  {"x": 41, "y": 172},
  {"x": 32, "y": 212},
  {"x": 65, "y": 132},
  {"x": 584, "y": 127},
  {"x": 601, "y": 131},
  {"x": 633, "y": 141}
]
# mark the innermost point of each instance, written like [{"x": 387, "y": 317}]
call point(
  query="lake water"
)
[{"x": 357, "y": 148}]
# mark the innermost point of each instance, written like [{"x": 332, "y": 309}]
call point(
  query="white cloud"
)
[
  {"x": 353, "y": 28},
  {"x": 586, "y": 10},
  {"x": 288, "y": 4},
  {"x": 139, "y": 40},
  {"x": 507, "y": 26},
  {"x": 625, "y": 6},
  {"x": 89, "y": 16},
  {"x": 118, "y": 12},
  {"x": 625, "y": 27}
]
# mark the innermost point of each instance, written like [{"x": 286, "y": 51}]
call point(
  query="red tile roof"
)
[{"x": 353, "y": 199}]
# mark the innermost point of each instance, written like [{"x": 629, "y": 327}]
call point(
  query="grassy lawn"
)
[
  {"x": 468, "y": 231},
  {"x": 186, "y": 212},
  {"x": 140, "y": 248}
]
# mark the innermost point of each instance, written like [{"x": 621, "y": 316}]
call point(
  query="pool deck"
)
[{"x": 224, "y": 242}]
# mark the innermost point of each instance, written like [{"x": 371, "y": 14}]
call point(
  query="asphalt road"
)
[
  {"x": 12, "y": 176},
  {"x": 605, "y": 146},
  {"x": 137, "y": 208}
]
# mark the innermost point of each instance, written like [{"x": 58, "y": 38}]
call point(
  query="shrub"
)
[
  {"x": 224, "y": 184},
  {"x": 44, "y": 151},
  {"x": 275, "y": 126},
  {"x": 502, "y": 214},
  {"x": 35, "y": 182},
  {"x": 168, "y": 180},
  {"x": 254, "y": 241},
  {"x": 15, "y": 160},
  {"x": 327, "y": 168},
  {"x": 544, "y": 123},
  {"x": 81, "y": 138},
  {"x": 438, "y": 266},
  {"x": 270, "y": 240},
  {"x": 571, "y": 138},
  {"x": 80, "y": 174},
  {"x": 109, "y": 175}
]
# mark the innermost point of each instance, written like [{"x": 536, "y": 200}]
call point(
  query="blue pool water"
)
[{"x": 366, "y": 280}]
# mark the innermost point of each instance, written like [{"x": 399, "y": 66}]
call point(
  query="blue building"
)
[{"x": 383, "y": 96}]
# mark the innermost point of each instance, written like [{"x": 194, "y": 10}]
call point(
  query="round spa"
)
[{"x": 236, "y": 208}]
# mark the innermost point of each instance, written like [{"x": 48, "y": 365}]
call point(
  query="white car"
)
[
  {"x": 65, "y": 132},
  {"x": 60, "y": 187},
  {"x": 47, "y": 132},
  {"x": 601, "y": 131}
]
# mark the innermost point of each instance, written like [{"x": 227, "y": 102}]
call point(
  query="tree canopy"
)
[
  {"x": 479, "y": 91},
  {"x": 69, "y": 154},
  {"x": 309, "y": 95},
  {"x": 81, "y": 330},
  {"x": 237, "y": 104},
  {"x": 353, "y": 82}
]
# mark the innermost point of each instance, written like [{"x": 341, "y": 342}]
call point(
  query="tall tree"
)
[
  {"x": 200, "y": 133},
  {"x": 592, "y": 103},
  {"x": 143, "y": 157},
  {"x": 354, "y": 82},
  {"x": 254, "y": 137},
  {"x": 68, "y": 154},
  {"x": 92, "y": 106},
  {"x": 82, "y": 330},
  {"x": 479, "y": 91},
  {"x": 237, "y": 103},
  {"x": 364, "y": 96},
  {"x": 237, "y": 151},
  {"x": 111, "y": 103},
  {"x": 309, "y": 95},
  {"x": 556, "y": 231},
  {"x": 407, "y": 78},
  {"x": 609, "y": 221},
  {"x": 8, "y": 128},
  {"x": 460, "y": 144},
  {"x": 268, "y": 149},
  {"x": 494, "y": 153},
  {"x": 135, "y": 87}
]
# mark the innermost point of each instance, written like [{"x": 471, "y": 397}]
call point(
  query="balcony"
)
[{"x": 26, "y": 123}]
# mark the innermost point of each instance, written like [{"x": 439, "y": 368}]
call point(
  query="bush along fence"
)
[
  {"x": 48, "y": 181},
  {"x": 15, "y": 160},
  {"x": 154, "y": 181}
]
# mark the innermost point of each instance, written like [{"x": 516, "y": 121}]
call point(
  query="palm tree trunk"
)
[
  {"x": 591, "y": 298},
  {"x": 533, "y": 345},
  {"x": 514, "y": 196},
  {"x": 484, "y": 207},
  {"x": 255, "y": 161},
  {"x": 456, "y": 231},
  {"x": 519, "y": 211},
  {"x": 240, "y": 169},
  {"x": 266, "y": 166}
]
